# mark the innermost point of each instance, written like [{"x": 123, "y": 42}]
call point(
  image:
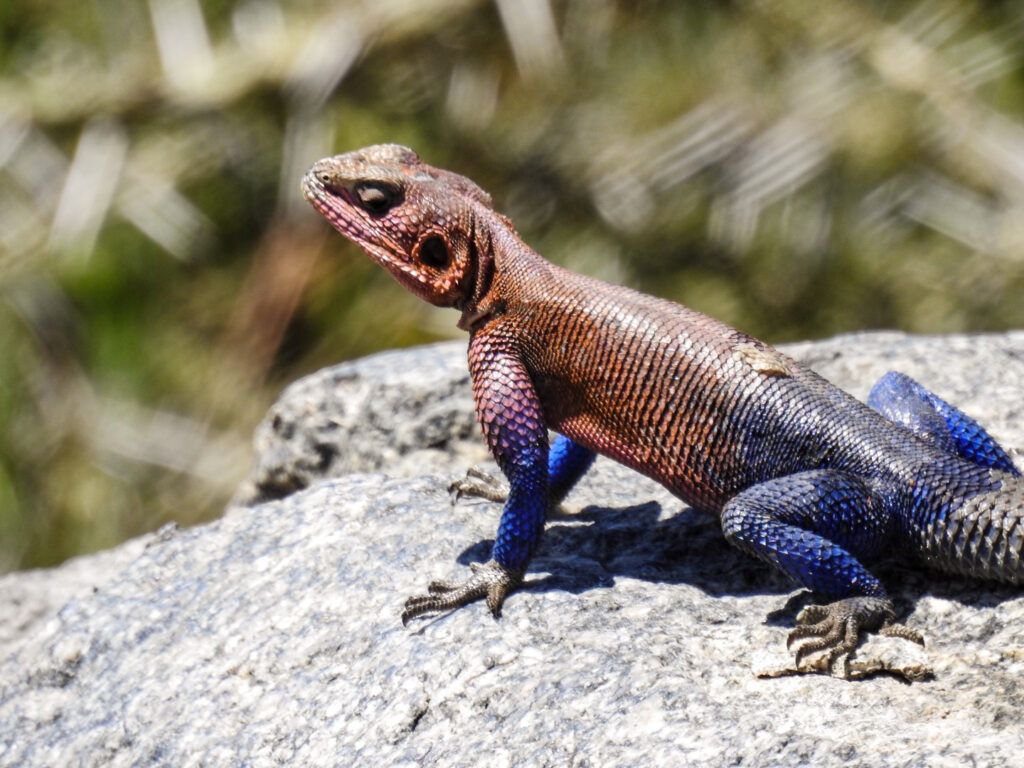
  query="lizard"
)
[{"x": 799, "y": 473}]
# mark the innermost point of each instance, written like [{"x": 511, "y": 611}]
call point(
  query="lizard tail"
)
[{"x": 983, "y": 537}]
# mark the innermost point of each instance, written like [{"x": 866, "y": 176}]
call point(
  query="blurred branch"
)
[{"x": 270, "y": 295}]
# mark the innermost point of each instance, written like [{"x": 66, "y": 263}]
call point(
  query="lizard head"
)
[{"x": 417, "y": 221}]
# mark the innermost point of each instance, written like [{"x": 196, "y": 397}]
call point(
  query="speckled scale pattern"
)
[
  {"x": 801, "y": 474},
  {"x": 969, "y": 521},
  {"x": 710, "y": 413}
]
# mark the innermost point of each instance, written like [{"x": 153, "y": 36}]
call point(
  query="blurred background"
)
[{"x": 797, "y": 168}]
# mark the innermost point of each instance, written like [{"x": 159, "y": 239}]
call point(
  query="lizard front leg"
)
[
  {"x": 513, "y": 424},
  {"x": 814, "y": 526}
]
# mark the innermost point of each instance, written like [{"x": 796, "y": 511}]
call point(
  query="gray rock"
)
[
  {"x": 407, "y": 412},
  {"x": 30, "y": 598},
  {"x": 271, "y": 637}
]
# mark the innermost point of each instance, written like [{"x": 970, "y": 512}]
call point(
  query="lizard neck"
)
[{"x": 499, "y": 260}]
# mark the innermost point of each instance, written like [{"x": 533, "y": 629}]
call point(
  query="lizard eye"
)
[
  {"x": 376, "y": 197},
  {"x": 434, "y": 253}
]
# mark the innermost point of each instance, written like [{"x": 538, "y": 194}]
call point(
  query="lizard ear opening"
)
[{"x": 434, "y": 253}]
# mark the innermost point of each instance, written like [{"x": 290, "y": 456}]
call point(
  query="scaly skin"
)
[{"x": 799, "y": 473}]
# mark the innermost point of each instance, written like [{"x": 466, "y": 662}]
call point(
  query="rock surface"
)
[
  {"x": 271, "y": 637},
  {"x": 405, "y": 412}
]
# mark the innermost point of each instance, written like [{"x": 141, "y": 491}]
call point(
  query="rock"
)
[
  {"x": 406, "y": 412},
  {"x": 31, "y": 598},
  {"x": 271, "y": 637}
]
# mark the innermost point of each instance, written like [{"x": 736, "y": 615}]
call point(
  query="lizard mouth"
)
[{"x": 338, "y": 207}]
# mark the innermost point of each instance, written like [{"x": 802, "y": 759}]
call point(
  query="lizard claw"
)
[
  {"x": 479, "y": 483},
  {"x": 489, "y": 580},
  {"x": 836, "y": 627}
]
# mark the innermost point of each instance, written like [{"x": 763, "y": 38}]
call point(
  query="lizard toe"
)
[
  {"x": 824, "y": 629},
  {"x": 489, "y": 580},
  {"x": 835, "y": 628},
  {"x": 480, "y": 484},
  {"x": 440, "y": 588},
  {"x": 812, "y": 614},
  {"x": 898, "y": 630},
  {"x": 839, "y": 638}
]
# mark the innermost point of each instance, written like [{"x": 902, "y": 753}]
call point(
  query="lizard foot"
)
[
  {"x": 490, "y": 580},
  {"x": 479, "y": 483},
  {"x": 484, "y": 485},
  {"x": 836, "y": 627}
]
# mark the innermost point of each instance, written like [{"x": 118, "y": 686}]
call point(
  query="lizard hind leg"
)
[
  {"x": 814, "y": 526},
  {"x": 905, "y": 402},
  {"x": 568, "y": 461}
]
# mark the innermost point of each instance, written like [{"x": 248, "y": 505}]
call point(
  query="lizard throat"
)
[
  {"x": 473, "y": 319},
  {"x": 480, "y": 306}
]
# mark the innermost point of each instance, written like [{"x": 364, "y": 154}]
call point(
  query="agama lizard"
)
[{"x": 799, "y": 473}]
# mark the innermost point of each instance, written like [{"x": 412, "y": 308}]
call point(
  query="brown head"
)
[{"x": 422, "y": 224}]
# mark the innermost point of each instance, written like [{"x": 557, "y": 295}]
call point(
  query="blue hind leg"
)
[
  {"x": 567, "y": 463},
  {"x": 815, "y": 526},
  {"x": 902, "y": 400}
]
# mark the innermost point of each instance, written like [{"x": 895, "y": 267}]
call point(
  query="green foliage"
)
[{"x": 796, "y": 168}]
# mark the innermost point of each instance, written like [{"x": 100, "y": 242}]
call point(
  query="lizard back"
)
[{"x": 702, "y": 408}]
